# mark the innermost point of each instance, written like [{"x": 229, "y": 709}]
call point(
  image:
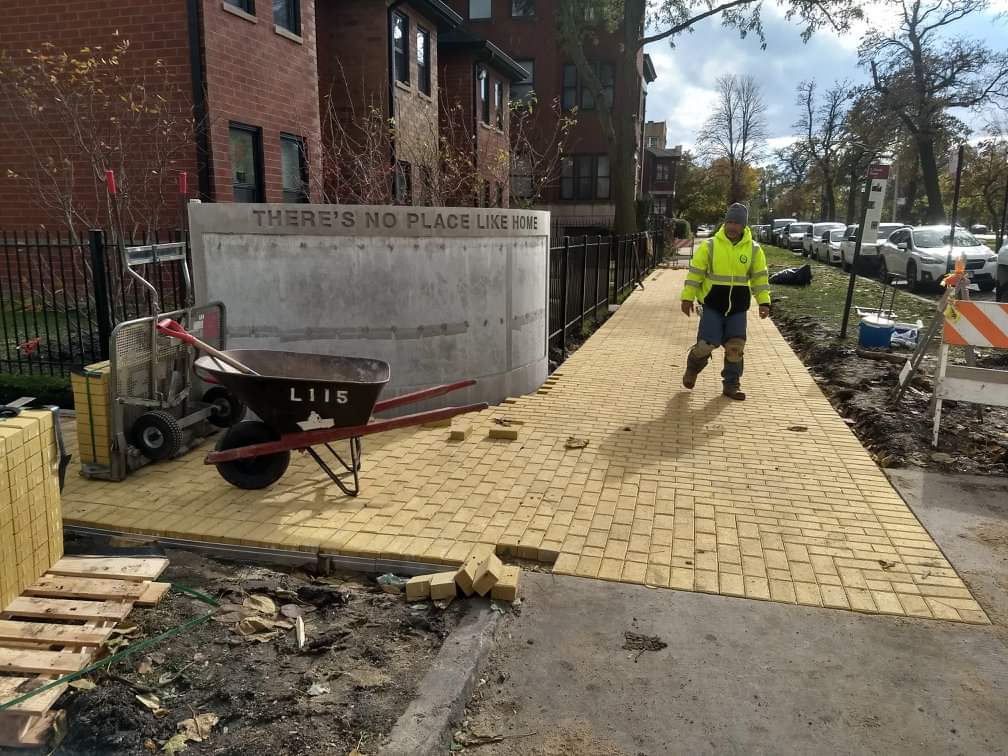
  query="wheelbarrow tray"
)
[{"x": 296, "y": 392}]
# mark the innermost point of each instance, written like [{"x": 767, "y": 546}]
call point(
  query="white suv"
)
[
  {"x": 923, "y": 255},
  {"x": 1002, "y": 274}
]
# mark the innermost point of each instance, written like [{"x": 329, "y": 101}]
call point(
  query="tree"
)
[
  {"x": 821, "y": 127},
  {"x": 641, "y": 22},
  {"x": 870, "y": 131},
  {"x": 921, "y": 74},
  {"x": 736, "y": 131}
]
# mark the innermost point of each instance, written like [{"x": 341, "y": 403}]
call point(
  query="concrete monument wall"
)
[{"x": 441, "y": 294}]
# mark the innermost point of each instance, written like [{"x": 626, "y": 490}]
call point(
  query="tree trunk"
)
[
  {"x": 929, "y": 173},
  {"x": 621, "y": 154},
  {"x": 852, "y": 196},
  {"x": 829, "y": 200}
]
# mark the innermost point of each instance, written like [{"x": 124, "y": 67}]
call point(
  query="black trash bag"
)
[{"x": 793, "y": 276}]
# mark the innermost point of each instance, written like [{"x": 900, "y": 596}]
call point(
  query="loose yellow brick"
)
[
  {"x": 442, "y": 585},
  {"x": 506, "y": 589},
  {"x": 460, "y": 433},
  {"x": 418, "y": 588},
  {"x": 487, "y": 574},
  {"x": 466, "y": 575},
  {"x": 442, "y": 423},
  {"x": 503, "y": 434}
]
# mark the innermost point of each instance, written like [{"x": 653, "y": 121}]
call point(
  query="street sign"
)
[
  {"x": 873, "y": 213},
  {"x": 878, "y": 171}
]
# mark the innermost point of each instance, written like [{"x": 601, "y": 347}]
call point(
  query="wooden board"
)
[
  {"x": 153, "y": 594},
  {"x": 15, "y": 687},
  {"x": 40, "y": 662},
  {"x": 135, "y": 569},
  {"x": 57, "y": 586},
  {"x": 65, "y": 609},
  {"x": 19, "y": 731},
  {"x": 46, "y": 634}
]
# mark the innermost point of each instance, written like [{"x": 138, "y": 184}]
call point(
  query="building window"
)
[
  {"x": 479, "y": 8},
  {"x": 293, "y": 168},
  {"x": 486, "y": 194},
  {"x": 661, "y": 171},
  {"x": 246, "y": 162},
  {"x": 403, "y": 183},
  {"x": 576, "y": 92},
  {"x": 287, "y": 15},
  {"x": 246, "y": 5},
  {"x": 652, "y": 142},
  {"x": 483, "y": 85},
  {"x": 585, "y": 177},
  {"x": 423, "y": 61},
  {"x": 521, "y": 176},
  {"x": 523, "y": 8},
  {"x": 400, "y": 47},
  {"x": 660, "y": 206},
  {"x": 570, "y": 87},
  {"x": 499, "y": 104},
  {"x": 526, "y": 86}
]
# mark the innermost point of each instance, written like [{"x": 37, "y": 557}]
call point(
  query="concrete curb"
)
[{"x": 426, "y": 727}]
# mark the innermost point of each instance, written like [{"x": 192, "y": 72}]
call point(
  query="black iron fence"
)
[
  {"x": 589, "y": 273},
  {"x": 60, "y": 297}
]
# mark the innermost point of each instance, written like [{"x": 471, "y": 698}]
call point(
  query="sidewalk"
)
[{"x": 773, "y": 498}]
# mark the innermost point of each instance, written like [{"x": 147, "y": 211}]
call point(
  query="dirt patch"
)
[
  {"x": 898, "y": 434},
  {"x": 365, "y": 655},
  {"x": 993, "y": 534}
]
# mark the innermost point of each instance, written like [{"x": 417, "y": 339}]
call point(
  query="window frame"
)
[
  {"x": 498, "y": 92},
  {"x": 423, "y": 71},
  {"x": 396, "y": 54},
  {"x": 483, "y": 93},
  {"x": 660, "y": 207},
  {"x": 663, "y": 172},
  {"x": 245, "y": 6},
  {"x": 578, "y": 185},
  {"x": 259, "y": 186},
  {"x": 565, "y": 87},
  {"x": 292, "y": 21},
  {"x": 489, "y": 10},
  {"x": 529, "y": 5},
  {"x": 579, "y": 95},
  {"x": 302, "y": 152}
]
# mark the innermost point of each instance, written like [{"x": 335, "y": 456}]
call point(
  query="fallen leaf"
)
[
  {"x": 150, "y": 745},
  {"x": 145, "y": 667},
  {"x": 576, "y": 443},
  {"x": 261, "y": 604},
  {"x": 174, "y": 744},
  {"x": 317, "y": 689},
  {"x": 886, "y": 565},
  {"x": 152, "y": 702},
  {"x": 292, "y": 611},
  {"x": 198, "y": 729},
  {"x": 82, "y": 684},
  {"x": 257, "y": 626}
]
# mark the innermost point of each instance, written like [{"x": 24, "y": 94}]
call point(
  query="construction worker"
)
[{"x": 724, "y": 274}]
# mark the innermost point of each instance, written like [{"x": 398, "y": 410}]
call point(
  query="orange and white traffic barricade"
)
[{"x": 975, "y": 324}]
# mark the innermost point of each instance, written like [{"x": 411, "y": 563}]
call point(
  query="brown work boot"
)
[
  {"x": 734, "y": 392},
  {"x": 689, "y": 378}
]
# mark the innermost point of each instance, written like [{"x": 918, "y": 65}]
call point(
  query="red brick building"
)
[
  {"x": 661, "y": 166},
  {"x": 247, "y": 72},
  {"x": 581, "y": 200},
  {"x": 476, "y": 78}
]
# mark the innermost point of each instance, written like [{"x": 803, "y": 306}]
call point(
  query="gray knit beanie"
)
[{"x": 737, "y": 213}]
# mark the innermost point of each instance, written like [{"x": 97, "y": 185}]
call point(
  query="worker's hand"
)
[
  {"x": 764, "y": 312},
  {"x": 687, "y": 307}
]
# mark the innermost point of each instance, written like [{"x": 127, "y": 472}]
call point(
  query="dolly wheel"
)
[
  {"x": 157, "y": 435},
  {"x": 254, "y": 472},
  {"x": 227, "y": 409}
]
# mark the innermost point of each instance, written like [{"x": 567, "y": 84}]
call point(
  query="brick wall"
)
[
  {"x": 155, "y": 29},
  {"x": 259, "y": 77}
]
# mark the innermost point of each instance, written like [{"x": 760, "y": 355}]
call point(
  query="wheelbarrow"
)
[{"x": 304, "y": 401}]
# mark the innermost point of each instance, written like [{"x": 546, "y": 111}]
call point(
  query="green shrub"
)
[{"x": 47, "y": 389}]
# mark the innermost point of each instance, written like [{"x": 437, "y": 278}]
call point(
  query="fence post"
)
[
  {"x": 100, "y": 284},
  {"x": 563, "y": 297}
]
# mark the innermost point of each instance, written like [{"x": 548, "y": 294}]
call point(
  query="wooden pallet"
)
[{"x": 57, "y": 625}]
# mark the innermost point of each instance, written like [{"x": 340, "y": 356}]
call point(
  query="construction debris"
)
[
  {"x": 442, "y": 585},
  {"x": 481, "y": 573},
  {"x": 573, "y": 442},
  {"x": 503, "y": 434},
  {"x": 487, "y": 574},
  {"x": 460, "y": 433},
  {"x": 506, "y": 589}
]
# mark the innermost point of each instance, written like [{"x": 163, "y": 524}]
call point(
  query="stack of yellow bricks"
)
[
  {"x": 31, "y": 521},
  {"x": 91, "y": 390}
]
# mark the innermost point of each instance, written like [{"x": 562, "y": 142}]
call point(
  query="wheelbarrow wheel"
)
[
  {"x": 157, "y": 435},
  {"x": 254, "y": 472},
  {"x": 227, "y": 408}
]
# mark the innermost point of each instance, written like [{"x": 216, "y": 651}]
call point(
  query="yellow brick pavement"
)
[{"x": 676, "y": 489}]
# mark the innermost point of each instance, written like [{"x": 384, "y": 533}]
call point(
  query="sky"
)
[{"x": 684, "y": 93}]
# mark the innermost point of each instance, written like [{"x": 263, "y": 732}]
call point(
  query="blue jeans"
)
[{"x": 718, "y": 330}]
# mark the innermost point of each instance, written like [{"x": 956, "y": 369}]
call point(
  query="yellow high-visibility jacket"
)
[{"x": 718, "y": 262}]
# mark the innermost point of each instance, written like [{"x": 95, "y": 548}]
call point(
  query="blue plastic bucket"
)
[{"x": 875, "y": 331}]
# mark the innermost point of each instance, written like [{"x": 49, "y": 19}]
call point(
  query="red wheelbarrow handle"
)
[{"x": 174, "y": 330}]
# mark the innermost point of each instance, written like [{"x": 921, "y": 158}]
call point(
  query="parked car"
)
[
  {"x": 923, "y": 255},
  {"x": 869, "y": 253},
  {"x": 979, "y": 228},
  {"x": 1002, "y": 274},
  {"x": 827, "y": 248},
  {"x": 794, "y": 235},
  {"x": 818, "y": 229},
  {"x": 758, "y": 232},
  {"x": 777, "y": 229}
]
